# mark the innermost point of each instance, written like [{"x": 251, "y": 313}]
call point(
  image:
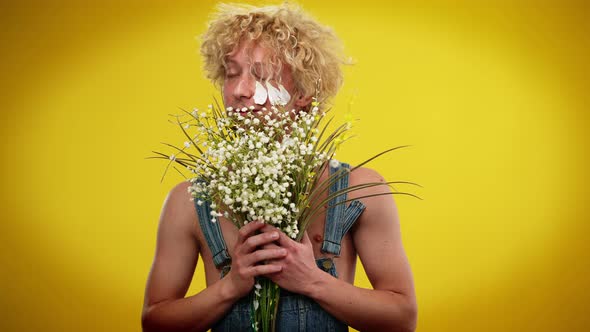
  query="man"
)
[{"x": 257, "y": 55}]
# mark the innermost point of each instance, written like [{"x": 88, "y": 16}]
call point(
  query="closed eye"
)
[{"x": 231, "y": 74}]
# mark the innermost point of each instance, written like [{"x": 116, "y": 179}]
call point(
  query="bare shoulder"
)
[
  {"x": 180, "y": 192},
  {"x": 179, "y": 208},
  {"x": 364, "y": 175},
  {"x": 381, "y": 202}
]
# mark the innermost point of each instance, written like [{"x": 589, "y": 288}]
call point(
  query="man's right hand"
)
[{"x": 248, "y": 254}]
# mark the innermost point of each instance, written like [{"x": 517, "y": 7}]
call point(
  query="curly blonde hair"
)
[{"x": 312, "y": 51}]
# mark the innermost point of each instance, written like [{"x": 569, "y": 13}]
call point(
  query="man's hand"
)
[
  {"x": 298, "y": 267},
  {"x": 248, "y": 253}
]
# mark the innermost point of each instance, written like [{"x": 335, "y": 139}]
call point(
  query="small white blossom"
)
[{"x": 334, "y": 163}]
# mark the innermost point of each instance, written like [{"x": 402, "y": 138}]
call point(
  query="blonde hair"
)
[{"x": 312, "y": 51}]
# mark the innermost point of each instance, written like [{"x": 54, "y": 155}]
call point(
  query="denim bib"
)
[{"x": 296, "y": 312}]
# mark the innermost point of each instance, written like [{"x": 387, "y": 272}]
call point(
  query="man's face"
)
[{"x": 245, "y": 79}]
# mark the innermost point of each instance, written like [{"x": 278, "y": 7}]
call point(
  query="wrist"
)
[
  {"x": 229, "y": 292},
  {"x": 318, "y": 283}
]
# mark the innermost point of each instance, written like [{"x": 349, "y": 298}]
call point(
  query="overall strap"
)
[
  {"x": 212, "y": 233},
  {"x": 339, "y": 217}
]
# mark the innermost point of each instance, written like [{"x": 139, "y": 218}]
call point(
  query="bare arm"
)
[
  {"x": 391, "y": 304},
  {"x": 177, "y": 250}
]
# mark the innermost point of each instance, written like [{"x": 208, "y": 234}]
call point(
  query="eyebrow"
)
[{"x": 234, "y": 62}]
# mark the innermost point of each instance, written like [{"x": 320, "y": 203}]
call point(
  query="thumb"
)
[{"x": 305, "y": 240}]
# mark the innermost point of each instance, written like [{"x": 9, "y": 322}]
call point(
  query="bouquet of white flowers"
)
[{"x": 264, "y": 166}]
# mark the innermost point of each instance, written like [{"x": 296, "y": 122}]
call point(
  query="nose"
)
[{"x": 244, "y": 89}]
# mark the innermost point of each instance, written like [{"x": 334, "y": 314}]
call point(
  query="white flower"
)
[
  {"x": 253, "y": 164},
  {"x": 334, "y": 163}
]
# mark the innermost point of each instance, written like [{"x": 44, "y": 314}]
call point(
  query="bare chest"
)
[{"x": 345, "y": 262}]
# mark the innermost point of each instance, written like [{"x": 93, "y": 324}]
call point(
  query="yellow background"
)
[{"x": 493, "y": 99}]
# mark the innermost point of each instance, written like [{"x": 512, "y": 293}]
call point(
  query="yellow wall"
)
[{"x": 492, "y": 98}]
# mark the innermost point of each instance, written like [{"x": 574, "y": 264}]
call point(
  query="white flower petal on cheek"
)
[
  {"x": 273, "y": 94},
  {"x": 284, "y": 95},
  {"x": 260, "y": 94}
]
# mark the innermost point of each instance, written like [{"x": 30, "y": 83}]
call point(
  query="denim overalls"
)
[{"x": 296, "y": 312}]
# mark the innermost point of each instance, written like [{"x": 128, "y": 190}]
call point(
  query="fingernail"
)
[
  {"x": 283, "y": 251},
  {"x": 274, "y": 235}
]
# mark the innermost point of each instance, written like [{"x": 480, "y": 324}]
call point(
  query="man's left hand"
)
[{"x": 299, "y": 269}]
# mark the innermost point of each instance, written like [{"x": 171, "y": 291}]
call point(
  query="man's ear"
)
[{"x": 302, "y": 101}]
